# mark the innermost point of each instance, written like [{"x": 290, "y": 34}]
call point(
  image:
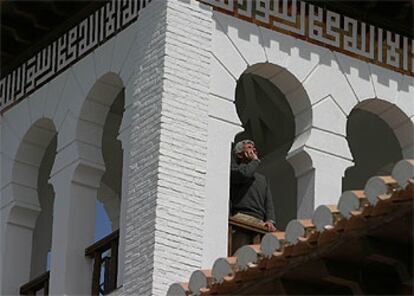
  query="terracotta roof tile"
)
[{"x": 383, "y": 199}]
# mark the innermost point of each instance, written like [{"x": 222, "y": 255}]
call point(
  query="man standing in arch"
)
[{"x": 249, "y": 193}]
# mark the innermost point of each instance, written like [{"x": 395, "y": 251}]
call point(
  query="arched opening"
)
[
  {"x": 42, "y": 233},
  {"x": 268, "y": 120},
  {"x": 276, "y": 114},
  {"x": 99, "y": 125},
  {"x": 287, "y": 95},
  {"x": 29, "y": 219},
  {"x": 109, "y": 194},
  {"x": 379, "y": 134}
]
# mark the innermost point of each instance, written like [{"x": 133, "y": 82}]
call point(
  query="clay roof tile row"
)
[{"x": 305, "y": 238}]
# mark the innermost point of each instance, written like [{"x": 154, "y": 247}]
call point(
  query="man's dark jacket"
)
[{"x": 250, "y": 193}]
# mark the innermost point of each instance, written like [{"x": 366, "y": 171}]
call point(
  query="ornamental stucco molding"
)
[
  {"x": 302, "y": 20},
  {"x": 76, "y": 43},
  {"x": 325, "y": 28}
]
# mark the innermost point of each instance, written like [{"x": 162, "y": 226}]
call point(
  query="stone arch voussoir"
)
[
  {"x": 86, "y": 135},
  {"x": 398, "y": 119},
  {"x": 96, "y": 107},
  {"x": 21, "y": 192},
  {"x": 297, "y": 98}
]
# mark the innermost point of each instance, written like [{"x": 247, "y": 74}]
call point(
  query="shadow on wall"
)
[
  {"x": 42, "y": 233},
  {"x": 29, "y": 217},
  {"x": 110, "y": 191},
  {"x": 249, "y": 32},
  {"x": 374, "y": 147},
  {"x": 268, "y": 120}
]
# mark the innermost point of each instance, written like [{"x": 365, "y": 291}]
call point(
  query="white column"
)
[
  {"x": 220, "y": 136},
  {"x": 305, "y": 194},
  {"x": 319, "y": 179},
  {"x": 169, "y": 126},
  {"x": 76, "y": 189},
  {"x": 329, "y": 171},
  {"x": 42, "y": 235},
  {"x": 18, "y": 220},
  {"x": 124, "y": 136}
]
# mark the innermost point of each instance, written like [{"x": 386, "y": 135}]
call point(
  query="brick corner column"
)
[{"x": 168, "y": 147}]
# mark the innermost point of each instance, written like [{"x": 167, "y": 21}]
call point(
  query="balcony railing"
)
[
  {"x": 105, "y": 255},
  {"x": 36, "y": 285},
  {"x": 257, "y": 230}
]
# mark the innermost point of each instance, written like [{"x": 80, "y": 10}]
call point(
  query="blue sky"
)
[
  {"x": 102, "y": 222},
  {"x": 102, "y": 227}
]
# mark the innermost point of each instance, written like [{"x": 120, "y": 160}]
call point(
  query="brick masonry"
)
[
  {"x": 144, "y": 143},
  {"x": 166, "y": 196}
]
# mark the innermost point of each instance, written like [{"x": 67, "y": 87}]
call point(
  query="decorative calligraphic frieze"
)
[
  {"x": 326, "y": 28},
  {"x": 69, "y": 48}
]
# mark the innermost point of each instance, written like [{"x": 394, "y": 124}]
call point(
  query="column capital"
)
[
  {"x": 307, "y": 158},
  {"x": 81, "y": 172},
  {"x": 20, "y": 205},
  {"x": 301, "y": 161}
]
